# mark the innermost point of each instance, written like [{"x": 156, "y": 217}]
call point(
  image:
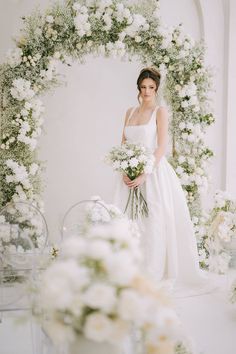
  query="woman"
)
[{"x": 167, "y": 235}]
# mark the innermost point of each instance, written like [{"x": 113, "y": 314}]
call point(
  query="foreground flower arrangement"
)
[
  {"x": 217, "y": 232},
  {"x": 111, "y": 28},
  {"x": 95, "y": 289}
]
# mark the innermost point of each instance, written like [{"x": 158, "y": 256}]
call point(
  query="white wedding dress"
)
[{"x": 167, "y": 235}]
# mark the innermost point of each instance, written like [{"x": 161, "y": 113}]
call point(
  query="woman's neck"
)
[{"x": 147, "y": 105}]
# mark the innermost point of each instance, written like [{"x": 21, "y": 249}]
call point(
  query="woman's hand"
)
[
  {"x": 136, "y": 182},
  {"x": 126, "y": 180}
]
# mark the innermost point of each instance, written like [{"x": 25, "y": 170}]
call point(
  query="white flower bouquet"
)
[
  {"x": 132, "y": 160},
  {"x": 95, "y": 289}
]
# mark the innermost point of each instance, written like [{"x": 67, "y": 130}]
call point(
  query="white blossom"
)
[
  {"x": 97, "y": 327},
  {"x": 14, "y": 57},
  {"x": 133, "y": 162},
  {"x": 21, "y": 89},
  {"x": 100, "y": 296},
  {"x": 49, "y": 19}
]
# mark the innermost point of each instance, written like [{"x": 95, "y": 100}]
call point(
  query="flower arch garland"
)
[{"x": 74, "y": 29}]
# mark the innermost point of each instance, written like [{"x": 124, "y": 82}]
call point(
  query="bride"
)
[{"x": 167, "y": 235}]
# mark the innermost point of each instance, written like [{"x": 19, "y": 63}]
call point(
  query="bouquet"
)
[{"x": 133, "y": 160}]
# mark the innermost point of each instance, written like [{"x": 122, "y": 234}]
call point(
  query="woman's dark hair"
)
[{"x": 146, "y": 73}]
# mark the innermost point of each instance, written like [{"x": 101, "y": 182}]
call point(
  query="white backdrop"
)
[{"x": 84, "y": 118}]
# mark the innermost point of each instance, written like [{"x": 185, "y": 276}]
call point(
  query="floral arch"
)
[{"x": 74, "y": 29}]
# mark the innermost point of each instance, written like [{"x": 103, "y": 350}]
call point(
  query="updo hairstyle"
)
[{"x": 146, "y": 73}]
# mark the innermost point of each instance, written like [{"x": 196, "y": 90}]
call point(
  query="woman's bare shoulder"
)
[
  {"x": 162, "y": 112},
  {"x": 128, "y": 112}
]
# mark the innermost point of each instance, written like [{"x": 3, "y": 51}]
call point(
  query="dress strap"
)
[
  {"x": 155, "y": 112},
  {"x": 131, "y": 113}
]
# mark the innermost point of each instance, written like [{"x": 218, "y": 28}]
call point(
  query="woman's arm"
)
[
  {"x": 162, "y": 134},
  {"x": 126, "y": 119},
  {"x": 126, "y": 178}
]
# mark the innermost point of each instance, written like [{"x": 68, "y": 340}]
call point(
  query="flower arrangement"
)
[
  {"x": 23, "y": 239},
  {"x": 216, "y": 231},
  {"x": 73, "y": 29},
  {"x": 132, "y": 160},
  {"x": 95, "y": 289},
  {"x": 101, "y": 212},
  {"x": 232, "y": 295},
  {"x": 181, "y": 348}
]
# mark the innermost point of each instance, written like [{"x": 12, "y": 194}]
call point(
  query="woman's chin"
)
[{"x": 148, "y": 99}]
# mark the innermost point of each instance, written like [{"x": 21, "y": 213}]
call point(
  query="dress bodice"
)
[{"x": 145, "y": 134}]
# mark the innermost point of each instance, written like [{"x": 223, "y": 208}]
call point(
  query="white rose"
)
[
  {"x": 122, "y": 36},
  {"x": 181, "y": 159},
  {"x": 185, "y": 179},
  {"x": 132, "y": 306},
  {"x": 124, "y": 165},
  {"x": 133, "y": 162},
  {"x": 142, "y": 158},
  {"x": 191, "y": 138},
  {"x": 116, "y": 165},
  {"x": 196, "y": 109},
  {"x": 58, "y": 332},
  {"x": 198, "y": 180},
  {"x": 182, "y": 125},
  {"x": 120, "y": 268},
  {"x": 138, "y": 39},
  {"x": 199, "y": 171},
  {"x": 99, "y": 249},
  {"x": 49, "y": 19},
  {"x": 182, "y": 54},
  {"x": 119, "y": 230},
  {"x": 119, "y": 331},
  {"x": 76, "y": 6},
  {"x": 166, "y": 59},
  {"x": 184, "y": 104},
  {"x": 5, "y": 232},
  {"x": 189, "y": 125},
  {"x": 100, "y": 296},
  {"x": 191, "y": 161},
  {"x": 33, "y": 169},
  {"x": 97, "y": 327},
  {"x": 179, "y": 170},
  {"x": 129, "y": 152},
  {"x": 14, "y": 57},
  {"x": 60, "y": 292},
  {"x": 193, "y": 100}
]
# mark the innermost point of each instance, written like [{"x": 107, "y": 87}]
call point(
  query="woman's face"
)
[{"x": 148, "y": 89}]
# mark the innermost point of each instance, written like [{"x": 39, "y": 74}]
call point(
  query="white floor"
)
[{"x": 209, "y": 320}]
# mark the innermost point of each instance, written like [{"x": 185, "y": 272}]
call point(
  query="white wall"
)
[
  {"x": 84, "y": 118},
  {"x": 230, "y": 177}
]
